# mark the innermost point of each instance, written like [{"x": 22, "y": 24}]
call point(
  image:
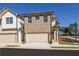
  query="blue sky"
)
[{"x": 66, "y": 13}]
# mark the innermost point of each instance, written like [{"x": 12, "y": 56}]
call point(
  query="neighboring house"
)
[
  {"x": 38, "y": 27},
  {"x": 11, "y": 26}
]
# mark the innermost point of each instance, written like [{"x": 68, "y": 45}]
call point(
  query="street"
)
[{"x": 37, "y": 52}]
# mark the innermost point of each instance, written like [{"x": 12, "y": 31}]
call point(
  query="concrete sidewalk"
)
[{"x": 44, "y": 46}]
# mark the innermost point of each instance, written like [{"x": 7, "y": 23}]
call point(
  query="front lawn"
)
[{"x": 65, "y": 46}]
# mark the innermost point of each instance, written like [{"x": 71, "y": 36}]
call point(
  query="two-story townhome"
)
[
  {"x": 38, "y": 27},
  {"x": 26, "y": 28},
  {"x": 11, "y": 26}
]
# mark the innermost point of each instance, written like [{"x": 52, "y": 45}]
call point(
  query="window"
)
[
  {"x": 45, "y": 18},
  {"x": 9, "y": 20},
  {"x": 37, "y": 17},
  {"x": 29, "y": 19}
]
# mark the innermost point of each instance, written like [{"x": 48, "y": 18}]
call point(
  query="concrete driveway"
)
[
  {"x": 27, "y": 45},
  {"x": 35, "y": 45}
]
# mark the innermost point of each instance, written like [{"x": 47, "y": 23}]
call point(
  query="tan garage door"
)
[
  {"x": 36, "y": 38},
  {"x": 7, "y": 38}
]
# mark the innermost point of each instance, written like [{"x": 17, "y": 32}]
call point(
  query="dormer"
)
[{"x": 10, "y": 19}]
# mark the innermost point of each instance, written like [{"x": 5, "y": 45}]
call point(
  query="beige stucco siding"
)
[
  {"x": 7, "y": 38},
  {"x": 37, "y": 25},
  {"x": 37, "y": 38}
]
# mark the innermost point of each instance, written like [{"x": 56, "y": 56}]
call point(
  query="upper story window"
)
[
  {"x": 45, "y": 18},
  {"x": 9, "y": 20},
  {"x": 29, "y": 19},
  {"x": 37, "y": 17}
]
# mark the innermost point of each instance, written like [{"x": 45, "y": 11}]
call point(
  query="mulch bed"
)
[{"x": 67, "y": 41}]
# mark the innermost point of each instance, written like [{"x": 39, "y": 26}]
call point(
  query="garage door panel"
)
[
  {"x": 8, "y": 38},
  {"x": 37, "y": 38}
]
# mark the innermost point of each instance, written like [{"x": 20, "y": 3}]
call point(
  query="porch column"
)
[
  {"x": 55, "y": 36},
  {"x": 55, "y": 42},
  {"x": 19, "y": 37}
]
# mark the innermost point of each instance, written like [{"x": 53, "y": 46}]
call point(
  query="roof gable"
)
[{"x": 3, "y": 11}]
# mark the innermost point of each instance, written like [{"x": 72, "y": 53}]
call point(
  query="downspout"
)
[
  {"x": 24, "y": 30},
  {"x": 17, "y": 27},
  {"x": 50, "y": 29}
]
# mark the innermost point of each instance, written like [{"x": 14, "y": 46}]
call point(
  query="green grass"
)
[{"x": 65, "y": 46}]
